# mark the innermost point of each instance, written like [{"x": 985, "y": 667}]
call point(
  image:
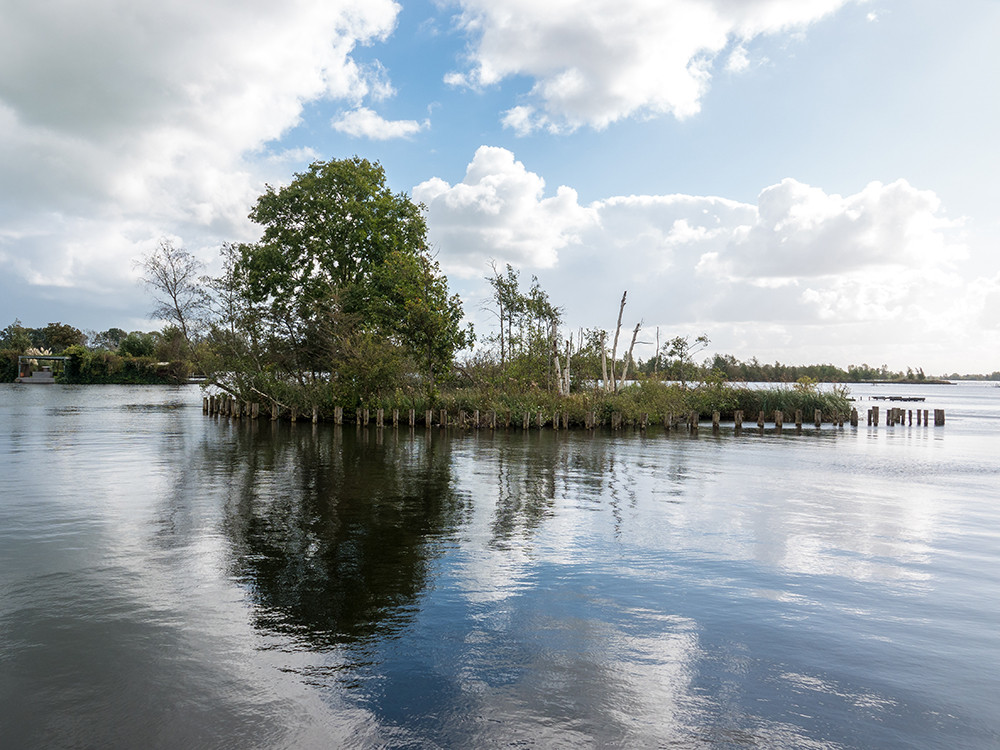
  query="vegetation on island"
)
[{"x": 342, "y": 304}]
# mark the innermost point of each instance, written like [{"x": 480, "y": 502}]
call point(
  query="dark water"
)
[{"x": 168, "y": 580}]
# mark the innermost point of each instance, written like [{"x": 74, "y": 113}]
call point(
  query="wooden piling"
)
[
  {"x": 818, "y": 417},
  {"x": 366, "y": 415},
  {"x": 295, "y": 414},
  {"x": 444, "y": 417},
  {"x": 461, "y": 418},
  {"x": 854, "y": 417},
  {"x": 338, "y": 415},
  {"x": 779, "y": 419},
  {"x": 738, "y": 419},
  {"x": 428, "y": 418},
  {"x": 875, "y": 416},
  {"x": 315, "y": 414},
  {"x": 379, "y": 417},
  {"x": 540, "y": 418},
  {"x": 526, "y": 420},
  {"x": 493, "y": 419},
  {"x": 798, "y": 419},
  {"x": 616, "y": 420},
  {"x": 274, "y": 411},
  {"x": 938, "y": 417},
  {"x": 760, "y": 419},
  {"x": 475, "y": 419},
  {"x": 715, "y": 421},
  {"x": 693, "y": 418},
  {"x": 395, "y": 417},
  {"x": 413, "y": 417}
]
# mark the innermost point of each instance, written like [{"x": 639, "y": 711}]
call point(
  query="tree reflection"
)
[{"x": 332, "y": 531}]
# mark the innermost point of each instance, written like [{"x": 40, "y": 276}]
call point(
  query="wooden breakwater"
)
[{"x": 233, "y": 408}]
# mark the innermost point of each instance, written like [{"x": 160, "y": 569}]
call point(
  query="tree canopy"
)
[{"x": 340, "y": 295}]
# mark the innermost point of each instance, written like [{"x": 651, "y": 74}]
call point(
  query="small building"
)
[{"x": 31, "y": 371}]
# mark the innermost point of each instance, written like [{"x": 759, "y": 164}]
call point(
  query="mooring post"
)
[
  {"x": 338, "y": 415},
  {"x": 444, "y": 417},
  {"x": 760, "y": 419},
  {"x": 938, "y": 417},
  {"x": 818, "y": 417},
  {"x": 738, "y": 419},
  {"x": 493, "y": 419},
  {"x": 779, "y": 419},
  {"x": 379, "y": 417},
  {"x": 798, "y": 419},
  {"x": 461, "y": 418},
  {"x": 395, "y": 417},
  {"x": 541, "y": 420},
  {"x": 413, "y": 417},
  {"x": 693, "y": 421},
  {"x": 875, "y": 416},
  {"x": 854, "y": 417},
  {"x": 295, "y": 414},
  {"x": 525, "y": 420},
  {"x": 428, "y": 418},
  {"x": 715, "y": 421}
]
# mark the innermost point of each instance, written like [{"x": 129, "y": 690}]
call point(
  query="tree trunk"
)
[{"x": 614, "y": 348}]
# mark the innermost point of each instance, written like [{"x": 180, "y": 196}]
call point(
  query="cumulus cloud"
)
[
  {"x": 594, "y": 62},
  {"x": 365, "y": 123},
  {"x": 122, "y": 121},
  {"x": 498, "y": 211},
  {"x": 799, "y": 258}
]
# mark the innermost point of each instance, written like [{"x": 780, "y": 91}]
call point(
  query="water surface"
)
[{"x": 173, "y": 580}]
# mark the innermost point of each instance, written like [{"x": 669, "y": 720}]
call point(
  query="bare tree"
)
[{"x": 172, "y": 275}]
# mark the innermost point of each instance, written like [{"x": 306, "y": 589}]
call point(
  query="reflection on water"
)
[{"x": 174, "y": 580}]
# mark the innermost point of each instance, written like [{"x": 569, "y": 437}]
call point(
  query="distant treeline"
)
[
  {"x": 753, "y": 371},
  {"x": 111, "y": 356}
]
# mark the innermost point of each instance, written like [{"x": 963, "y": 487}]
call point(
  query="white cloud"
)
[
  {"x": 365, "y": 123},
  {"x": 594, "y": 62},
  {"x": 498, "y": 212},
  {"x": 801, "y": 268},
  {"x": 122, "y": 121}
]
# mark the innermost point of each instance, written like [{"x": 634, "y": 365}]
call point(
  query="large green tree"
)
[{"x": 340, "y": 292}]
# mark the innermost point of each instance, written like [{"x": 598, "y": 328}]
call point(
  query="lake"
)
[{"x": 170, "y": 580}]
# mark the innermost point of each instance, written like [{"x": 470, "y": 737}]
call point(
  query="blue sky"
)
[{"x": 803, "y": 180}]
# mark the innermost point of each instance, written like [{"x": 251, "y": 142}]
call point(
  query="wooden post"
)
[
  {"x": 541, "y": 420},
  {"x": 693, "y": 421},
  {"x": 875, "y": 416},
  {"x": 274, "y": 411},
  {"x": 493, "y": 419},
  {"x": 357, "y": 416},
  {"x": 643, "y": 421},
  {"x": 428, "y": 418},
  {"x": 909, "y": 417},
  {"x": 555, "y": 421},
  {"x": 565, "y": 420},
  {"x": 204, "y": 404},
  {"x": 918, "y": 418},
  {"x": 315, "y": 414},
  {"x": 798, "y": 419},
  {"x": 475, "y": 419},
  {"x": 760, "y": 419},
  {"x": 413, "y": 417},
  {"x": 818, "y": 417},
  {"x": 256, "y": 410},
  {"x": 461, "y": 418},
  {"x": 338, "y": 415},
  {"x": 379, "y": 417},
  {"x": 715, "y": 421},
  {"x": 779, "y": 419},
  {"x": 854, "y": 417},
  {"x": 444, "y": 417},
  {"x": 366, "y": 415},
  {"x": 395, "y": 417},
  {"x": 738, "y": 419},
  {"x": 616, "y": 420},
  {"x": 506, "y": 419},
  {"x": 938, "y": 417},
  {"x": 525, "y": 420},
  {"x": 295, "y": 414}
]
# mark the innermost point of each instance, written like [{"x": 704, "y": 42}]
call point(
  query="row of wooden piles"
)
[
  {"x": 894, "y": 416},
  {"x": 228, "y": 406}
]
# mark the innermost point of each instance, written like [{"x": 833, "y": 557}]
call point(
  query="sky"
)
[{"x": 804, "y": 181}]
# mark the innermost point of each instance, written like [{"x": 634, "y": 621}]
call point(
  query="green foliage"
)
[
  {"x": 87, "y": 367},
  {"x": 138, "y": 344},
  {"x": 8, "y": 365},
  {"x": 16, "y": 338},
  {"x": 339, "y": 299}
]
